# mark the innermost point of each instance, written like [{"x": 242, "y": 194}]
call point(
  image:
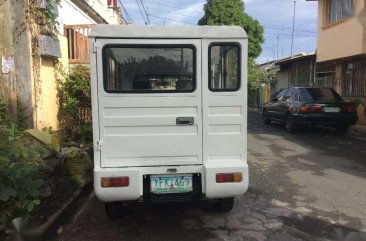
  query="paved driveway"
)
[{"x": 309, "y": 186}]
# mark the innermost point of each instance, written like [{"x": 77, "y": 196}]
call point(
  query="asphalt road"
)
[{"x": 308, "y": 186}]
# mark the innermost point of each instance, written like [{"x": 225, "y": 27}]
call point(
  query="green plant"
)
[
  {"x": 357, "y": 101},
  {"x": 20, "y": 116},
  {"x": 48, "y": 16},
  {"x": 74, "y": 95},
  {"x": 3, "y": 112},
  {"x": 21, "y": 182}
]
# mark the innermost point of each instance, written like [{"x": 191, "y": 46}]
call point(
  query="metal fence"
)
[{"x": 353, "y": 76}]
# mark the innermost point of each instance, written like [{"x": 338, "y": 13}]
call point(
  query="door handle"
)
[{"x": 185, "y": 121}]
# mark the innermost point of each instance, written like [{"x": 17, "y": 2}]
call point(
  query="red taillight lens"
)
[
  {"x": 311, "y": 108},
  {"x": 115, "y": 181},
  {"x": 229, "y": 177},
  {"x": 349, "y": 109}
]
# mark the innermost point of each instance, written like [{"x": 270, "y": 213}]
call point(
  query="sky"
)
[{"x": 276, "y": 16}]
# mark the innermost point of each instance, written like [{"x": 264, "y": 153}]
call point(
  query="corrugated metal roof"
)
[{"x": 180, "y": 32}]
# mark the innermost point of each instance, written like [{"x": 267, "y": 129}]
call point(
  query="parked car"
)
[{"x": 301, "y": 106}]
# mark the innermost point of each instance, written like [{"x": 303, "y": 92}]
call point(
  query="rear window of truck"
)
[{"x": 149, "y": 68}]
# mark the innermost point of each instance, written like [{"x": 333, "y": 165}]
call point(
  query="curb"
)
[
  {"x": 62, "y": 216},
  {"x": 357, "y": 130}
]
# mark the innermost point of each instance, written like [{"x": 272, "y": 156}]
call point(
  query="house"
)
[
  {"x": 342, "y": 47},
  {"x": 296, "y": 70},
  {"x": 32, "y": 55}
]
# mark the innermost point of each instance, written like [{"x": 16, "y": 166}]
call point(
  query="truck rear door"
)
[{"x": 149, "y": 97}]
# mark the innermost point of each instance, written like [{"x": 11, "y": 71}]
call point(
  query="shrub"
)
[
  {"x": 21, "y": 182},
  {"x": 74, "y": 95}
]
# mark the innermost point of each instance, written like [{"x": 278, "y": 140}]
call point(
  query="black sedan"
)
[{"x": 301, "y": 106}]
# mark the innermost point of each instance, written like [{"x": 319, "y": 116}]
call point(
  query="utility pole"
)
[
  {"x": 278, "y": 45},
  {"x": 293, "y": 29}
]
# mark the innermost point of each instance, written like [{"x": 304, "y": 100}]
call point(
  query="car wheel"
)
[
  {"x": 265, "y": 118},
  {"x": 342, "y": 129},
  {"x": 115, "y": 210},
  {"x": 290, "y": 124},
  {"x": 225, "y": 204}
]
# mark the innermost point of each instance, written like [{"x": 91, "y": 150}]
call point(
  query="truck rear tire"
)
[
  {"x": 225, "y": 204},
  {"x": 115, "y": 210}
]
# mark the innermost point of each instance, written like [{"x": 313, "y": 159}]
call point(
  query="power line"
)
[
  {"x": 165, "y": 11},
  {"x": 169, "y": 6},
  {"x": 127, "y": 14},
  {"x": 141, "y": 12},
  {"x": 147, "y": 15},
  {"x": 289, "y": 28},
  {"x": 170, "y": 19},
  {"x": 297, "y": 35}
]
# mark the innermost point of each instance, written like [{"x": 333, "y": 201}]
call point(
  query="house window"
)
[{"x": 340, "y": 9}]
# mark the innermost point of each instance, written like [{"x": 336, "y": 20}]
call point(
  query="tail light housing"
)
[
  {"x": 311, "y": 109},
  {"x": 115, "y": 182},
  {"x": 229, "y": 177},
  {"x": 349, "y": 109}
]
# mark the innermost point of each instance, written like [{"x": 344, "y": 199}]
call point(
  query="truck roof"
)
[{"x": 164, "y": 32}]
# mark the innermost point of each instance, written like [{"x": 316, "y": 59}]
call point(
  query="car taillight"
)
[
  {"x": 311, "y": 108},
  {"x": 115, "y": 181},
  {"x": 229, "y": 177},
  {"x": 349, "y": 109}
]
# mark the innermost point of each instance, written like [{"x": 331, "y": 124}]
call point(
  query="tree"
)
[{"x": 231, "y": 12}]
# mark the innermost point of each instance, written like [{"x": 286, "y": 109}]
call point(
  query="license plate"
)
[
  {"x": 332, "y": 109},
  {"x": 171, "y": 184}
]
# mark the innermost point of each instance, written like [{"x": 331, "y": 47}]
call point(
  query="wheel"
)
[
  {"x": 115, "y": 210},
  {"x": 265, "y": 117},
  {"x": 290, "y": 124},
  {"x": 342, "y": 129},
  {"x": 225, "y": 204}
]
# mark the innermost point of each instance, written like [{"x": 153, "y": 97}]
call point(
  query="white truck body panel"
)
[{"x": 136, "y": 134}]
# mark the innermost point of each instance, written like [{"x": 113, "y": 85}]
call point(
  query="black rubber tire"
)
[
  {"x": 115, "y": 210},
  {"x": 225, "y": 204},
  {"x": 265, "y": 118},
  {"x": 290, "y": 124},
  {"x": 342, "y": 129}
]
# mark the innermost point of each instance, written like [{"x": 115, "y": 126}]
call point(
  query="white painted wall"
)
[
  {"x": 101, "y": 7},
  {"x": 70, "y": 14}
]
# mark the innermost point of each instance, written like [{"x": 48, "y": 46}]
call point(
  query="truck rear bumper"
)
[{"x": 137, "y": 190}]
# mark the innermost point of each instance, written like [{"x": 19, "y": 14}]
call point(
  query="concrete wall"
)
[
  {"x": 7, "y": 80},
  {"x": 342, "y": 39},
  {"x": 15, "y": 41},
  {"x": 48, "y": 106}
]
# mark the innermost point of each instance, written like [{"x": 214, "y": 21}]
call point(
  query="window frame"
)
[
  {"x": 214, "y": 44},
  {"x": 328, "y": 14},
  {"x": 151, "y": 46}
]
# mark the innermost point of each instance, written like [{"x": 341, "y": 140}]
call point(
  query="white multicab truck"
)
[{"x": 169, "y": 114}]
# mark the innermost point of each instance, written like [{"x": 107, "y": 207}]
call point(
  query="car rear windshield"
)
[{"x": 318, "y": 94}]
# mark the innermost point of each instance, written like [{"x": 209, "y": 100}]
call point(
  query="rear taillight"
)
[
  {"x": 349, "y": 109},
  {"x": 115, "y": 181},
  {"x": 229, "y": 177},
  {"x": 311, "y": 108}
]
